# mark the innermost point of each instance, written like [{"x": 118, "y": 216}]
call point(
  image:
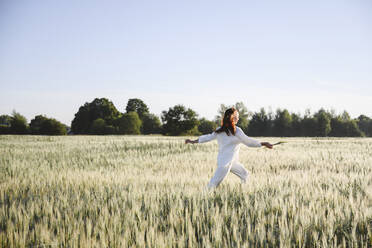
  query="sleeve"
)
[
  {"x": 245, "y": 139},
  {"x": 207, "y": 137}
]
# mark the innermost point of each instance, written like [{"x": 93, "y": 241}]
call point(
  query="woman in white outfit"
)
[{"x": 229, "y": 137}]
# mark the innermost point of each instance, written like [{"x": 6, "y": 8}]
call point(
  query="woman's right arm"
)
[
  {"x": 202, "y": 139},
  {"x": 189, "y": 141}
]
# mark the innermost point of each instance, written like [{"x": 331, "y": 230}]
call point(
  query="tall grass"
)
[{"x": 148, "y": 191}]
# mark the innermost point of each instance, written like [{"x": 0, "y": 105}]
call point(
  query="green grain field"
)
[{"x": 149, "y": 191}]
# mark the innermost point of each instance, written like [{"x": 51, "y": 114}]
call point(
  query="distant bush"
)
[
  {"x": 53, "y": 127},
  {"x": 179, "y": 121},
  {"x": 18, "y": 124},
  {"x": 42, "y": 125},
  {"x": 129, "y": 123},
  {"x": 150, "y": 124},
  {"x": 206, "y": 126},
  {"x": 98, "y": 126},
  {"x": 99, "y": 108}
]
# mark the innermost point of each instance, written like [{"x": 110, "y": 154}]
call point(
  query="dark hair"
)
[{"x": 227, "y": 123}]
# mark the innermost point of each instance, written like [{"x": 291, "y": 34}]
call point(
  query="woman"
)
[{"x": 229, "y": 138}]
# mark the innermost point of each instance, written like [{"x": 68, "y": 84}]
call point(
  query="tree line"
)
[{"x": 101, "y": 117}]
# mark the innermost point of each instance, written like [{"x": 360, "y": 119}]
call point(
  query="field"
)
[{"x": 149, "y": 191}]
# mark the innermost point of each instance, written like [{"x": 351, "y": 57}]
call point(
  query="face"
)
[{"x": 236, "y": 117}]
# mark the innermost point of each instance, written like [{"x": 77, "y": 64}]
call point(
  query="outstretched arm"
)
[
  {"x": 202, "y": 139},
  {"x": 249, "y": 141}
]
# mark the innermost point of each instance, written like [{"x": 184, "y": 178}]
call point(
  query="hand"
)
[
  {"x": 189, "y": 141},
  {"x": 267, "y": 144}
]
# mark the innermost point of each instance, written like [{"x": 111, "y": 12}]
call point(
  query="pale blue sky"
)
[{"x": 57, "y": 55}]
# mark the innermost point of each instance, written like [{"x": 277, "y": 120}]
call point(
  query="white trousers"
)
[{"x": 222, "y": 171}]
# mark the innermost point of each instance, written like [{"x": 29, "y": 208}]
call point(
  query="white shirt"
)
[{"x": 229, "y": 145}]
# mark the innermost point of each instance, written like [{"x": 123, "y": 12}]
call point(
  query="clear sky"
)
[{"x": 57, "y": 55}]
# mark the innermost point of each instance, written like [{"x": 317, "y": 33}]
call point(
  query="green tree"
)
[
  {"x": 296, "y": 125},
  {"x": 99, "y": 108},
  {"x": 53, "y": 127},
  {"x": 192, "y": 132},
  {"x": 82, "y": 121},
  {"x": 206, "y": 126},
  {"x": 338, "y": 128},
  {"x": 105, "y": 109},
  {"x": 129, "y": 123},
  {"x": 98, "y": 126},
  {"x": 352, "y": 129},
  {"x": 47, "y": 126},
  {"x": 365, "y": 125},
  {"x": 344, "y": 126},
  {"x": 323, "y": 120},
  {"x": 150, "y": 124},
  {"x": 179, "y": 121},
  {"x": 36, "y": 124},
  {"x": 18, "y": 124},
  {"x": 309, "y": 126},
  {"x": 260, "y": 124},
  {"x": 282, "y": 123},
  {"x": 138, "y": 106}
]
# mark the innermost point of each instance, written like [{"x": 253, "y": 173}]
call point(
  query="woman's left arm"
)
[{"x": 250, "y": 141}]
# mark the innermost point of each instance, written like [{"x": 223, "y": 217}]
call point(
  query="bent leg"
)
[
  {"x": 239, "y": 170},
  {"x": 219, "y": 175}
]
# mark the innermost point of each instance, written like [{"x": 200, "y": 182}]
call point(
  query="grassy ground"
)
[{"x": 128, "y": 191}]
